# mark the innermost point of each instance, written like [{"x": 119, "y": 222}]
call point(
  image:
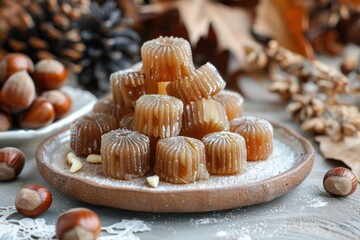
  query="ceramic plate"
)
[
  {"x": 83, "y": 102},
  {"x": 262, "y": 181}
]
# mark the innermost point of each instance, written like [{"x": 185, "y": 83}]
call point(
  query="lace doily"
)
[{"x": 28, "y": 228}]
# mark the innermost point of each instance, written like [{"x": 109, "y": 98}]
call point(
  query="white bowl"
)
[{"x": 82, "y": 103}]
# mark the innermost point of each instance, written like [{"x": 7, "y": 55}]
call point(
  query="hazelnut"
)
[
  {"x": 18, "y": 91},
  {"x": 12, "y": 162},
  {"x": 5, "y": 118},
  {"x": 340, "y": 181},
  {"x": 40, "y": 114},
  {"x": 14, "y": 62},
  {"x": 60, "y": 101},
  {"x": 50, "y": 74},
  {"x": 78, "y": 223},
  {"x": 5, "y": 121},
  {"x": 33, "y": 200}
]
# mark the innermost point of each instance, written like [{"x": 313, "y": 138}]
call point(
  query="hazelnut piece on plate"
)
[
  {"x": 50, "y": 74},
  {"x": 78, "y": 223},
  {"x": 153, "y": 181},
  {"x": 33, "y": 200},
  {"x": 14, "y": 62},
  {"x": 12, "y": 162},
  {"x": 40, "y": 114},
  {"x": 75, "y": 162}
]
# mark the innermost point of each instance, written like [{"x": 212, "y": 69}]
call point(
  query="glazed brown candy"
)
[
  {"x": 204, "y": 116},
  {"x": 158, "y": 116},
  {"x": 125, "y": 154},
  {"x": 127, "y": 121},
  {"x": 232, "y": 102},
  {"x": 225, "y": 153},
  {"x": 166, "y": 59},
  {"x": 180, "y": 160},
  {"x": 203, "y": 83},
  {"x": 85, "y": 137},
  {"x": 127, "y": 86},
  {"x": 258, "y": 134},
  {"x": 107, "y": 106}
]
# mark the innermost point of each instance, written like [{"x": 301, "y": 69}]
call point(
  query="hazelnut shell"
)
[
  {"x": 33, "y": 200},
  {"x": 5, "y": 117},
  {"x": 40, "y": 114},
  {"x": 61, "y": 102},
  {"x": 78, "y": 221},
  {"x": 14, "y": 62},
  {"x": 18, "y": 91},
  {"x": 340, "y": 181},
  {"x": 50, "y": 74},
  {"x": 12, "y": 162}
]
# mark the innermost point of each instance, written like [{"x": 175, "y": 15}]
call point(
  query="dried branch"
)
[{"x": 312, "y": 88}]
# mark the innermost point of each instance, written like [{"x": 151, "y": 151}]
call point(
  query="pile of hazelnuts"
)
[
  {"x": 33, "y": 200},
  {"x": 30, "y": 96},
  {"x": 77, "y": 223}
]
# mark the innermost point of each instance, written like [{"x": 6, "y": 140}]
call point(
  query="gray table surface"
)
[{"x": 306, "y": 212}]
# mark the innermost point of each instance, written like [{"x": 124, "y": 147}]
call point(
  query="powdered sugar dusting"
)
[{"x": 284, "y": 157}]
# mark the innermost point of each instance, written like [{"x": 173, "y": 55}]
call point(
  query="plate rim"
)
[{"x": 302, "y": 169}]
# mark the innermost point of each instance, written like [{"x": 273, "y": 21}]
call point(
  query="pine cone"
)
[
  {"x": 9, "y": 15},
  {"x": 82, "y": 5},
  {"x": 45, "y": 29},
  {"x": 111, "y": 45}
]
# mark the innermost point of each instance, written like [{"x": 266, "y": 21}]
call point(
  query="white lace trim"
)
[{"x": 28, "y": 228}]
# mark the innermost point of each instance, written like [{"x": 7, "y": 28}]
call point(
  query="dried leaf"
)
[
  {"x": 347, "y": 151},
  {"x": 286, "y": 22},
  {"x": 231, "y": 24}
]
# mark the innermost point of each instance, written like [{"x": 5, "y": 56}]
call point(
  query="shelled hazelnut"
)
[
  {"x": 40, "y": 114},
  {"x": 12, "y": 162},
  {"x": 75, "y": 162},
  {"x": 94, "y": 158},
  {"x": 14, "y": 62},
  {"x": 61, "y": 102},
  {"x": 153, "y": 181},
  {"x": 78, "y": 223},
  {"x": 50, "y": 74},
  {"x": 340, "y": 181},
  {"x": 33, "y": 200}
]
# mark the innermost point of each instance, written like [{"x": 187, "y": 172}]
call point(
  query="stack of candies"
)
[{"x": 167, "y": 116}]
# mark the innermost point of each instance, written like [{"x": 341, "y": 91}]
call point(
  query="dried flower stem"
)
[{"x": 312, "y": 88}]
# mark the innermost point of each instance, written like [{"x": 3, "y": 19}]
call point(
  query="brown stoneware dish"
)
[{"x": 263, "y": 181}]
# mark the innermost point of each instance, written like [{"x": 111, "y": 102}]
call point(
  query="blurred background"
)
[{"x": 95, "y": 38}]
